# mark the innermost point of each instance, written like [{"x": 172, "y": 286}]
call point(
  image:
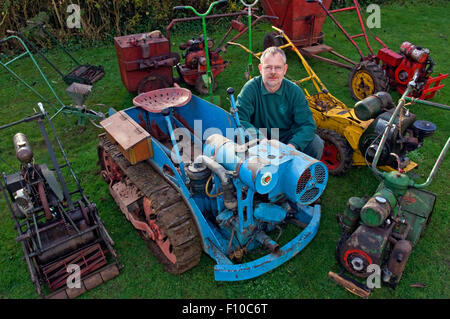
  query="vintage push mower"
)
[
  {"x": 82, "y": 73},
  {"x": 351, "y": 134},
  {"x": 76, "y": 90},
  {"x": 386, "y": 69},
  {"x": 383, "y": 229},
  {"x": 57, "y": 228},
  {"x": 175, "y": 171}
]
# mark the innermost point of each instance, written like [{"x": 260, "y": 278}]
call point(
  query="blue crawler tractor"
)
[{"x": 186, "y": 175}]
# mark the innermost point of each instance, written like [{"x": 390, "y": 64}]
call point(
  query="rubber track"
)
[{"x": 173, "y": 215}]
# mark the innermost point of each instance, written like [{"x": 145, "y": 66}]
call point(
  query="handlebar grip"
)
[{"x": 179, "y": 7}]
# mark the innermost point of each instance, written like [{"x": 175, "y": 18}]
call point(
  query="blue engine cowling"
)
[{"x": 270, "y": 167}]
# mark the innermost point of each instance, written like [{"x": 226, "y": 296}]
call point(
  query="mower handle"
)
[
  {"x": 249, "y": 5},
  {"x": 435, "y": 167},
  {"x": 196, "y": 12},
  {"x": 412, "y": 84}
]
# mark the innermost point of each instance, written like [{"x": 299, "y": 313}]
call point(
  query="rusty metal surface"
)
[
  {"x": 124, "y": 130},
  {"x": 88, "y": 259},
  {"x": 157, "y": 100}
]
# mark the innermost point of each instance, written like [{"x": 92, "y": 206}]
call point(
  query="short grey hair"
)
[{"x": 273, "y": 51}]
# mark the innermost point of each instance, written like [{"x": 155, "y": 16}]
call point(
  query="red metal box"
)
[{"x": 145, "y": 61}]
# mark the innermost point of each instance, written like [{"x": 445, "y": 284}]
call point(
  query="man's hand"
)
[{"x": 292, "y": 146}]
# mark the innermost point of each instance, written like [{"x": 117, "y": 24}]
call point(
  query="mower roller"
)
[
  {"x": 351, "y": 134},
  {"x": 382, "y": 230},
  {"x": 174, "y": 169},
  {"x": 60, "y": 230}
]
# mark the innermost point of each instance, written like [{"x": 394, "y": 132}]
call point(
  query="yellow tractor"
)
[{"x": 352, "y": 135}]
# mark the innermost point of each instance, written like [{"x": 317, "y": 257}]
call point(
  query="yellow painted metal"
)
[{"x": 362, "y": 84}]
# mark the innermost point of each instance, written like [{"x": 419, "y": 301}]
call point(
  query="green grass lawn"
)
[{"x": 304, "y": 276}]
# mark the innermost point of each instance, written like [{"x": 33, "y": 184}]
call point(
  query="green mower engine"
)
[{"x": 382, "y": 230}]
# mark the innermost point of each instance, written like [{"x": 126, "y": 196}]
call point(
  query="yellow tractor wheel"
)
[{"x": 365, "y": 79}]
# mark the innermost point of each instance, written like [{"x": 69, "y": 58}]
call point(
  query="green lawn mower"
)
[{"x": 379, "y": 232}]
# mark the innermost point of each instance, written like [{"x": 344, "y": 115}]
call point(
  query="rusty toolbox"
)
[
  {"x": 145, "y": 61},
  {"x": 135, "y": 144}
]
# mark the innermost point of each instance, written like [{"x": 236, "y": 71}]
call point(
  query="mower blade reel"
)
[
  {"x": 87, "y": 283},
  {"x": 351, "y": 285},
  {"x": 225, "y": 270}
]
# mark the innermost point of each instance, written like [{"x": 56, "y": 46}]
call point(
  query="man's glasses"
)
[{"x": 276, "y": 68}]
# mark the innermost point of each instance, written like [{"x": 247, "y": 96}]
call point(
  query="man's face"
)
[{"x": 273, "y": 70}]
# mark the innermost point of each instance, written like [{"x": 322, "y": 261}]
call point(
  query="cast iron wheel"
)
[
  {"x": 109, "y": 170},
  {"x": 337, "y": 154},
  {"x": 273, "y": 39},
  {"x": 202, "y": 88},
  {"x": 152, "y": 82},
  {"x": 367, "y": 78}
]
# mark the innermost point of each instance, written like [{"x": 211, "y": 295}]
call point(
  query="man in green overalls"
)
[{"x": 270, "y": 101}]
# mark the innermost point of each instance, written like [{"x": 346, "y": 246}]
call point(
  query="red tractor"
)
[
  {"x": 387, "y": 69},
  {"x": 375, "y": 72}
]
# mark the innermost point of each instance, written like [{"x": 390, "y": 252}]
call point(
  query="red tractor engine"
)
[
  {"x": 195, "y": 63},
  {"x": 400, "y": 69}
]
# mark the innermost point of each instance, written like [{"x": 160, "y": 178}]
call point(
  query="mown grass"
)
[{"x": 305, "y": 276}]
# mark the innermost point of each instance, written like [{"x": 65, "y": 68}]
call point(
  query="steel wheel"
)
[
  {"x": 366, "y": 78},
  {"x": 337, "y": 154},
  {"x": 110, "y": 171}
]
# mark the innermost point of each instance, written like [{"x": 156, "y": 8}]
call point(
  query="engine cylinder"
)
[
  {"x": 351, "y": 214},
  {"x": 373, "y": 105},
  {"x": 413, "y": 52},
  {"x": 23, "y": 149},
  {"x": 378, "y": 207},
  {"x": 399, "y": 257}
]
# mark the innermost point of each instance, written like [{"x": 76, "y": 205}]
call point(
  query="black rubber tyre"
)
[
  {"x": 337, "y": 153},
  {"x": 367, "y": 78},
  {"x": 273, "y": 39}
]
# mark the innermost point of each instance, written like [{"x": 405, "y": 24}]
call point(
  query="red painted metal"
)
[
  {"x": 142, "y": 55},
  {"x": 399, "y": 68},
  {"x": 159, "y": 236},
  {"x": 300, "y": 20},
  {"x": 158, "y": 100},
  {"x": 88, "y": 259},
  {"x": 330, "y": 156}
]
